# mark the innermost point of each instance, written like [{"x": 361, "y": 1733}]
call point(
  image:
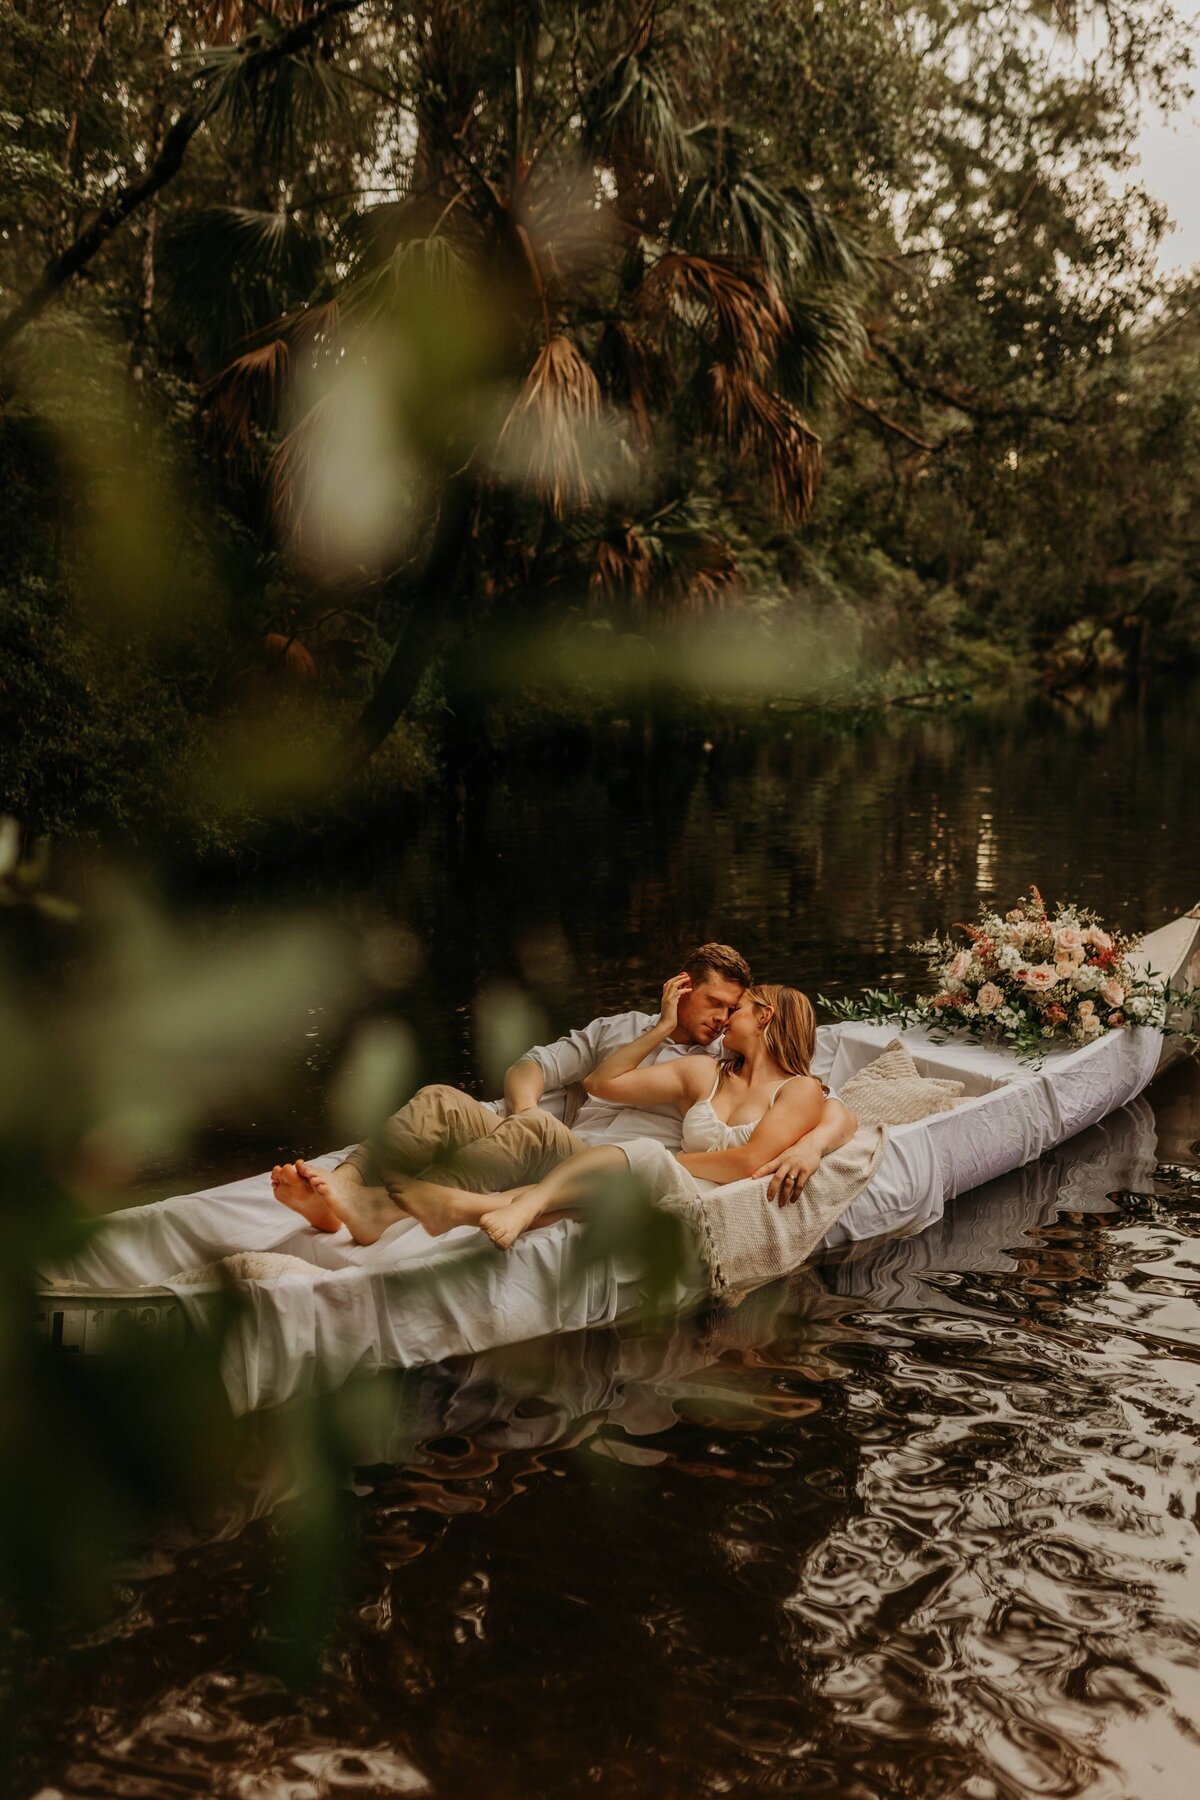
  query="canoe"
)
[{"x": 411, "y": 1300}]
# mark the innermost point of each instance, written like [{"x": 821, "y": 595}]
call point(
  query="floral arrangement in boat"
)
[{"x": 1025, "y": 976}]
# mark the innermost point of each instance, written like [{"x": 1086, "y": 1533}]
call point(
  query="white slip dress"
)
[{"x": 703, "y": 1129}]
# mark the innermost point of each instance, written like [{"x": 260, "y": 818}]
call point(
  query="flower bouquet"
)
[{"x": 1025, "y": 976}]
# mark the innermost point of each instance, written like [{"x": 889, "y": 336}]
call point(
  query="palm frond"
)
[
  {"x": 756, "y": 421},
  {"x": 251, "y": 386},
  {"x": 738, "y": 313},
  {"x": 636, "y": 104},
  {"x": 286, "y": 104},
  {"x": 229, "y": 270},
  {"x": 731, "y": 203},
  {"x": 633, "y": 374},
  {"x": 220, "y": 21},
  {"x": 622, "y": 564},
  {"x": 246, "y": 397},
  {"x": 547, "y": 427},
  {"x": 432, "y": 267},
  {"x": 291, "y": 465},
  {"x": 676, "y": 557},
  {"x": 819, "y": 351}
]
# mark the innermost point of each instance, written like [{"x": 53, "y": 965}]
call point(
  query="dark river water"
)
[{"x": 923, "y": 1523}]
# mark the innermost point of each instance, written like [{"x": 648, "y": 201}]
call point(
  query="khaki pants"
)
[{"x": 446, "y": 1136}]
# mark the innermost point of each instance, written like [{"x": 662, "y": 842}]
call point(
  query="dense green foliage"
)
[{"x": 448, "y": 365}]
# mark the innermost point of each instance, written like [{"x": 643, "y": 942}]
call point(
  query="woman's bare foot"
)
[
  {"x": 294, "y": 1189},
  {"x": 505, "y": 1225}
]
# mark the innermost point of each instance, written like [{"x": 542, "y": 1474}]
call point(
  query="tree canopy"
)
[{"x": 347, "y": 346}]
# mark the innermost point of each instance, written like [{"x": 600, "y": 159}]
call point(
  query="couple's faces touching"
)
[
  {"x": 746, "y": 1022},
  {"x": 707, "y": 1008}
]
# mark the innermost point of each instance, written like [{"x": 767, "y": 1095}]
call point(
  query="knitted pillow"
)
[{"x": 892, "y": 1091}]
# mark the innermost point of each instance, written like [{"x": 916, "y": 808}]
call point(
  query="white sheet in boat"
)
[{"x": 411, "y": 1299}]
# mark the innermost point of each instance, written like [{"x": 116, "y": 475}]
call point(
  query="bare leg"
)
[
  {"x": 293, "y": 1188},
  {"x": 440, "y": 1209},
  {"x": 570, "y": 1182},
  {"x": 367, "y": 1212}
]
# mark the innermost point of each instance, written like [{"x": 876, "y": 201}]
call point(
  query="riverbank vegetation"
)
[{"x": 381, "y": 385}]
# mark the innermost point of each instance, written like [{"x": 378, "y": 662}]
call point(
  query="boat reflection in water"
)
[{"x": 640, "y": 1379}]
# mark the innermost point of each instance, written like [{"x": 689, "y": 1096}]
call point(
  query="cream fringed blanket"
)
[{"x": 744, "y": 1239}]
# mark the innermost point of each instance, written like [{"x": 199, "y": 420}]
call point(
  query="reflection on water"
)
[{"x": 921, "y": 1521}]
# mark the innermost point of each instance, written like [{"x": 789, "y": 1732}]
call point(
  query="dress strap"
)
[
  {"x": 779, "y": 1089},
  {"x": 716, "y": 1084}
]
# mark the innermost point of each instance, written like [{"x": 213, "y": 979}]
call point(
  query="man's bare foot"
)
[
  {"x": 505, "y": 1225},
  {"x": 293, "y": 1188},
  {"x": 366, "y": 1212},
  {"x": 342, "y": 1185}
]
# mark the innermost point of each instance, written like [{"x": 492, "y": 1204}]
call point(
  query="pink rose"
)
[
  {"x": 960, "y": 965},
  {"x": 1100, "y": 938},
  {"x": 989, "y": 997},
  {"x": 1086, "y": 1008},
  {"x": 1112, "y": 992},
  {"x": 1090, "y": 1025},
  {"x": 1040, "y": 976},
  {"x": 1068, "y": 939}
]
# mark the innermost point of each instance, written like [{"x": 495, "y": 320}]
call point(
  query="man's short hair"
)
[{"x": 720, "y": 959}]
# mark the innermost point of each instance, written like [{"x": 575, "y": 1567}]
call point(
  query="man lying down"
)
[{"x": 717, "y": 1089}]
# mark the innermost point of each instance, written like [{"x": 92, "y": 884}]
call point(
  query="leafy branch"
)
[{"x": 254, "y": 59}]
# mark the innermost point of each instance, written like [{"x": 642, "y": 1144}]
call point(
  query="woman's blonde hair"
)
[{"x": 790, "y": 1034}]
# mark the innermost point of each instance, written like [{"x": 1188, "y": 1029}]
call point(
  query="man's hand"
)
[
  {"x": 673, "y": 991},
  {"x": 791, "y": 1169}
]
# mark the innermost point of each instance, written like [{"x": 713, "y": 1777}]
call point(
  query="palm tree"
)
[{"x": 586, "y": 309}]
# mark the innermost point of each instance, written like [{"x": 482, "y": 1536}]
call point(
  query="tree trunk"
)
[{"x": 433, "y": 606}]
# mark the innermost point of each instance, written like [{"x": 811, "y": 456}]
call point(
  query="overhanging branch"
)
[
  {"x": 959, "y": 401},
  {"x": 134, "y": 194}
]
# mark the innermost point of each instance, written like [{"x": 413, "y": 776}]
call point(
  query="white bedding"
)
[
  {"x": 411, "y": 1299},
  {"x": 1015, "y": 1111}
]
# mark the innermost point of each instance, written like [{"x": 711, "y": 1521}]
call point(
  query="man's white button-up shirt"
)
[{"x": 570, "y": 1058}]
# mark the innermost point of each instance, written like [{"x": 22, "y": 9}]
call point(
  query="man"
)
[
  {"x": 548, "y": 1076},
  {"x": 447, "y": 1137}
]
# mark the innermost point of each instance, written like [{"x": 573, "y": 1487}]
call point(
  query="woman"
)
[
  {"x": 737, "y": 1115},
  {"x": 759, "y": 1099}
]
